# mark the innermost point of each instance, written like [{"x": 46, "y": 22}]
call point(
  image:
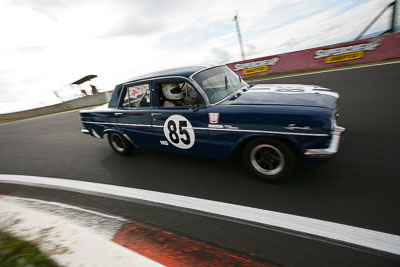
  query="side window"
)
[
  {"x": 177, "y": 94},
  {"x": 137, "y": 96}
]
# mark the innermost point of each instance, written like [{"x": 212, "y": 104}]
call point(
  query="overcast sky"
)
[{"x": 47, "y": 44}]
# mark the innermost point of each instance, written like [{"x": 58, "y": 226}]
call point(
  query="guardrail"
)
[
  {"x": 361, "y": 51},
  {"x": 90, "y": 100}
]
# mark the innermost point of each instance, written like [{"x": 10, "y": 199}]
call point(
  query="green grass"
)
[
  {"x": 5, "y": 121},
  {"x": 16, "y": 253},
  {"x": 317, "y": 70}
]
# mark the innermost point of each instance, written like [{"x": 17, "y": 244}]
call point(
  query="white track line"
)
[
  {"x": 324, "y": 71},
  {"x": 354, "y": 235}
]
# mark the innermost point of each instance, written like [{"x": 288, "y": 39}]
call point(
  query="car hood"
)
[{"x": 286, "y": 94}]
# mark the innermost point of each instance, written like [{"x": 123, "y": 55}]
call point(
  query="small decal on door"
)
[
  {"x": 163, "y": 143},
  {"x": 213, "y": 117}
]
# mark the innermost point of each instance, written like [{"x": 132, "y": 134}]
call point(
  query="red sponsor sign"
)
[{"x": 355, "y": 52}]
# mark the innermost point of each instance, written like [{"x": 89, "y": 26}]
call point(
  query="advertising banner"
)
[
  {"x": 355, "y": 52},
  {"x": 396, "y": 17}
]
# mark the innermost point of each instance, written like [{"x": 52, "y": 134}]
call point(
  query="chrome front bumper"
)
[
  {"x": 333, "y": 146},
  {"x": 85, "y": 131}
]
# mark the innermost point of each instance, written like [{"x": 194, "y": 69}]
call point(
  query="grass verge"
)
[{"x": 15, "y": 253}]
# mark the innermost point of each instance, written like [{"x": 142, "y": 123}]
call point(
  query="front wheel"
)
[
  {"x": 119, "y": 144},
  {"x": 269, "y": 159}
]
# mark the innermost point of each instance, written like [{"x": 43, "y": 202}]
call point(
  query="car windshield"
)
[{"x": 219, "y": 82}]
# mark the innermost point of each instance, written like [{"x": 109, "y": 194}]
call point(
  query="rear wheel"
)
[
  {"x": 119, "y": 144},
  {"x": 269, "y": 159}
]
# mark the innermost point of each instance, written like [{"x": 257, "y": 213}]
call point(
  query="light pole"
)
[{"x": 236, "y": 19}]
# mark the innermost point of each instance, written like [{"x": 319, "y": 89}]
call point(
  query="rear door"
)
[{"x": 134, "y": 114}]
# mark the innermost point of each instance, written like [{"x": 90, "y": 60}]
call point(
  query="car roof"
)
[{"x": 183, "y": 71}]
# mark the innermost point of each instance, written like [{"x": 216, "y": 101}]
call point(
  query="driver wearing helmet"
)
[{"x": 173, "y": 95}]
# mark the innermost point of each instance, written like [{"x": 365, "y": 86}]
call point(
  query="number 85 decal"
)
[{"x": 179, "y": 132}]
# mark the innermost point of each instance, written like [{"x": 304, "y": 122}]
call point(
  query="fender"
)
[
  {"x": 294, "y": 144},
  {"x": 107, "y": 131}
]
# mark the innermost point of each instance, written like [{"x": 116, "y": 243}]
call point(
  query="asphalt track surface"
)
[{"x": 358, "y": 187}]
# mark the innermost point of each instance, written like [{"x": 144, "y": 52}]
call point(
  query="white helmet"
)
[{"x": 172, "y": 91}]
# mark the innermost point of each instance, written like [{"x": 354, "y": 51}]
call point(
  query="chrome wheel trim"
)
[
  {"x": 267, "y": 155},
  {"x": 117, "y": 142}
]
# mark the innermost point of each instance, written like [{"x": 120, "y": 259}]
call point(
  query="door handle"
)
[
  {"x": 156, "y": 114},
  {"x": 118, "y": 113}
]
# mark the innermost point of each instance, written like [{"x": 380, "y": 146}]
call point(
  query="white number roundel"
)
[{"x": 179, "y": 132}]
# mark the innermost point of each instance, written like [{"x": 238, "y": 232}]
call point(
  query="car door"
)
[
  {"x": 182, "y": 129},
  {"x": 134, "y": 114}
]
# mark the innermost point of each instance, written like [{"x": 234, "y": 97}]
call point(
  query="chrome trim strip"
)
[
  {"x": 92, "y": 122},
  {"x": 268, "y": 132},
  {"x": 85, "y": 131},
  {"x": 201, "y": 92},
  {"x": 154, "y": 79},
  {"x": 119, "y": 97},
  {"x": 129, "y": 124},
  {"x": 333, "y": 146},
  {"x": 207, "y": 68},
  {"x": 114, "y": 123},
  {"x": 194, "y": 128},
  {"x": 214, "y": 129},
  {"x": 199, "y": 88}
]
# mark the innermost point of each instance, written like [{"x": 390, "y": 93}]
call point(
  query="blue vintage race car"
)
[{"x": 211, "y": 112}]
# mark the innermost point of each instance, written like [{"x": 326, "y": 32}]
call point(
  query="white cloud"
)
[{"x": 47, "y": 44}]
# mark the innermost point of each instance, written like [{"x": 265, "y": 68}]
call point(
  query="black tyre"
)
[
  {"x": 119, "y": 144},
  {"x": 269, "y": 159}
]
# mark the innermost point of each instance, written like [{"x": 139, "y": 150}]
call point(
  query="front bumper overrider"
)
[
  {"x": 85, "y": 131},
  {"x": 333, "y": 145}
]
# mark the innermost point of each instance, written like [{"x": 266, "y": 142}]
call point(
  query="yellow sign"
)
[
  {"x": 255, "y": 70},
  {"x": 344, "y": 57}
]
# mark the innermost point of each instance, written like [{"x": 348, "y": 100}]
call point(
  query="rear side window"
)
[{"x": 137, "y": 96}]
